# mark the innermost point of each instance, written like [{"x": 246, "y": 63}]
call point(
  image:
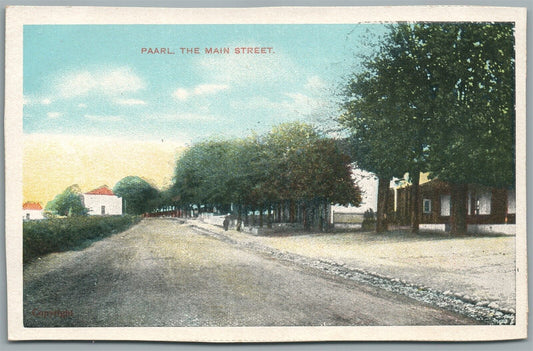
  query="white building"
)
[
  {"x": 32, "y": 210},
  {"x": 368, "y": 183},
  {"x": 102, "y": 202}
]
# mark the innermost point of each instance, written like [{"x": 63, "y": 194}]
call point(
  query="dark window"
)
[{"x": 427, "y": 206}]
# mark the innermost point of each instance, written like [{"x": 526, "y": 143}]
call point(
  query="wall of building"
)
[
  {"x": 112, "y": 205},
  {"x": 32, "y": 214},
  {"x": 485, "y": 205}
]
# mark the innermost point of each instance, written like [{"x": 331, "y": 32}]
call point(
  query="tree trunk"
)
[
  {"x": 269, "y": 216},
  {"x": 415, "y": 203},
  {"x": 459, "y": 193},
  {"x": 383, "y": 200},
  {"x": 304, "y": 216},
  {"x": 291, "y": 211}
]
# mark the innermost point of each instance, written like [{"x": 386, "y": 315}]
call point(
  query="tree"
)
[
  {"x": 473, "y": 75},
  {"x": 387, "y": 112},
  {"x": 68, "y": 203},
  {"x": 138, "y": 195},
  {"x": 308, "y": 169},
  {"x": 440, "y": 98},
  {"x": 290, "y": 166}
]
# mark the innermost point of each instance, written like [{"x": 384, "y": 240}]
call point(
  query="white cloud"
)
[
  {"x": 188, "y": 116},
  {"x": 104, "y": 118},
  {"x": 82, "y": 105},
  {"x": 30, "y": 100},
  {"x": 181, "y": 94},
  {"x": 315, "y": 83},
  {"x": 292, "y": 104},
  {"x": 130, "y": 102},
  {"x": 245, "y": 69},
  {"x": 104, "y": 82},
  {"x": 202, "y": 89},
  {"x": 54, "y": 115}
]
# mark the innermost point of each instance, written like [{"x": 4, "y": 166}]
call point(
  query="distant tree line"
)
[{"x": 292, "y": 174}]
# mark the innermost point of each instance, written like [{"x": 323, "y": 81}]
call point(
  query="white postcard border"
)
[{"x": 17, "y": 16}]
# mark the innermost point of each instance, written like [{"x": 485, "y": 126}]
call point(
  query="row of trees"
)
[
  {"x": 291, "y": 168},
  {"x": 438, "y": 98},
  {"x": 292, "y": 173}
]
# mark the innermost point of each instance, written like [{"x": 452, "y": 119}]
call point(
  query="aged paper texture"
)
[{"x": 266, "y": 175}]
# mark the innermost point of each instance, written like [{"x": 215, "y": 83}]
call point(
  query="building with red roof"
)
[
  {"x": 102, "y": 202},
  {"x": 31, "y": 211}
]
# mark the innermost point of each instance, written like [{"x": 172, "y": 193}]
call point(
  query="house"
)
[
  {"x": 31, "y": 211},
  {"x": 489, "y": 210},
  {"x": 349, "y": 215},
  {"x": 102, "y": 202}
]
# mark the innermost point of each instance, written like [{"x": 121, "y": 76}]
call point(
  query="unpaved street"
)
[{"x": 162, "y": 273}]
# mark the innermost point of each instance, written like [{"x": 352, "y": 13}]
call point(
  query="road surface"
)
[{"x": 163, "y": 273}]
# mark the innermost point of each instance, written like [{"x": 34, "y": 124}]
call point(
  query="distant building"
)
[
  {"x": 102, "y": 202},
  {"x": 31, "y": 211},
  {"x": 368, "y": 183}
]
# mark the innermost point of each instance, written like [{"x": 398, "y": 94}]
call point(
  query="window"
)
[
  {"x": 445, "y": 205},
  {"x": 27, "y": 216},
  {"x": 482, "y": 204},
  {"x": 103, "y": 210},
  {"x": 426, "y": 206},
  {"x": 511, "y": 201}
]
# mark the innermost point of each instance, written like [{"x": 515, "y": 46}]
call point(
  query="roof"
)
[
  {"x": 32, "y": 206},
  {"x": 103, "y": 190}
]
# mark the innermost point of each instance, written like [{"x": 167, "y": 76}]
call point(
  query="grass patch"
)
[{"x": 62, "y": 234}]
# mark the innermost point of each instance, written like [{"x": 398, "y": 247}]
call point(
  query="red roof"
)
[
  {"x": 32, "y": 206},
  {"x": 103, "y": 190}
]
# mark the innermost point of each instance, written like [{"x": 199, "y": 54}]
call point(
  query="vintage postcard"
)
[{"x": 266, "y": 174}]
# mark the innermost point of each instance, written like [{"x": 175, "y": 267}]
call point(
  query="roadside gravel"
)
[{"x": 473, "y": 276}]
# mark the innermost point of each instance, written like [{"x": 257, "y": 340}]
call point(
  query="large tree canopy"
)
[
  {"x": 437, "y": 97},
  {"x": 138, "y": 195},
  {"x": 291, "y": 164},
  {"x": 68, "y": 203}
]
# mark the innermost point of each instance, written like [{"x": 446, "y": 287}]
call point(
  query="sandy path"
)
[{"x": 161, "y": 273}]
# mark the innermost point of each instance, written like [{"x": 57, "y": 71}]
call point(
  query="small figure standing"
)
[{"x": 226, "y": 223}]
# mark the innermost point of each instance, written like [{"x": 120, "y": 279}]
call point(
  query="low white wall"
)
[
  {"x": 347, "y": 225},
  {"x": 433, "y": 227},
  {"x": 213, "y": 220},
  {"x": 507, "y": 229}
]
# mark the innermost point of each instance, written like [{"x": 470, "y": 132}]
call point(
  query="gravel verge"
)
[{"x": 470, "y": 306}]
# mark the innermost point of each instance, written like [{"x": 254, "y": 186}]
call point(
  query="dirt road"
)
[{"x": 162, "y": 273}]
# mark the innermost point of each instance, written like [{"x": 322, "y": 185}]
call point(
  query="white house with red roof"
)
[
  {"x": 102, "y": 202},
  {"x": 32, "y": 210}
]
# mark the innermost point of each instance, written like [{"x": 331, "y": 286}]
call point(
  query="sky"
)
[{"x": 88, "y": 85}]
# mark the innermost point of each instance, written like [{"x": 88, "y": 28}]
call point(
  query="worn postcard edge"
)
[{"x": 17, "y": 16}]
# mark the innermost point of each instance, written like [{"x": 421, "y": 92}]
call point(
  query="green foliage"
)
[
  {"x": 61, "y": 234},
  {"x": 437, "y": 97},
  {"x": 138, "y": 195},
  {"x": 474, "y": 102},
  {"x": 292, "y": 162},
  {"x": 68, "y": 203}
]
